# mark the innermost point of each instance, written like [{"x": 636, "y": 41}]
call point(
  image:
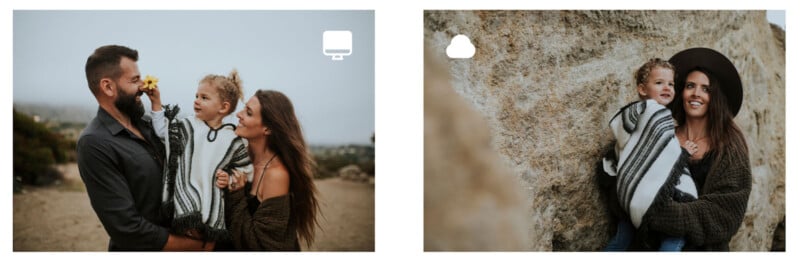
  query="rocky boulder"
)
[{"x": 547, "y": 82}]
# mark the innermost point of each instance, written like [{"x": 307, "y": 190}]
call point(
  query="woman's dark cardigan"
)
[
  {"x": 708, "y": 223},
  {"x": 269, "y": 228}
]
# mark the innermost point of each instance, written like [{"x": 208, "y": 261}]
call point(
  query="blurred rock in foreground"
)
[{"x": 472, "y": 202}]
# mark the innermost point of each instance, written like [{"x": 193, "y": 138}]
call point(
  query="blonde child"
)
[
  {"x": 197, "y": 147},
  {"x": 649, "y": 163}
]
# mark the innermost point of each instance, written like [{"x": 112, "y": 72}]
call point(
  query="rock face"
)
[
  {"x": 547, "y": 83},
  {"x": 472, "y": 201}
]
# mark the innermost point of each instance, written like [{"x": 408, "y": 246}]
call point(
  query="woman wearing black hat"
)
[{"x": 709, "y": 95}]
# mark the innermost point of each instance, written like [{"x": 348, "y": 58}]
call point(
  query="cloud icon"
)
[{"x": 460, "y": 47}]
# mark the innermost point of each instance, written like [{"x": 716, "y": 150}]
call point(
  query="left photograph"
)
[{"x": 193, "y": 130}]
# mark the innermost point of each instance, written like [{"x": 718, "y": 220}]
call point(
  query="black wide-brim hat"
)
[{"x": 718, "y": 65}]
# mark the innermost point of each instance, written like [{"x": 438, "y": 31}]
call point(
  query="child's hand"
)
[
  {"x": 155, "y": 97},
  {"x": 222, "y": 179},
  {"x": 690, "y": 147},
  {"x": 233, "y": 183}
]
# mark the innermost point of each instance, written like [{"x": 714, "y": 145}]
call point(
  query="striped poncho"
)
[
  {"x": 651, "y": 165},
  {"x": 194, "y": 153}
]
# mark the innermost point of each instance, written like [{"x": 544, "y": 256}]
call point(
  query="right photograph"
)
[{"x": 581, "y": 130}]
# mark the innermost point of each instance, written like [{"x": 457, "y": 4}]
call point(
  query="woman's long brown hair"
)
[
  {"x": 722, "y": 132},
  {"x": 286, "y": 140}
]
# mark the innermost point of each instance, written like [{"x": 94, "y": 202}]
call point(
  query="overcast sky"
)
[
  {"x": 280, "y": 50},
  {"x": 777, "y": 17}
]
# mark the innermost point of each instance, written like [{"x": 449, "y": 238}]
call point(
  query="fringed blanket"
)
[
  {"x": 650, "y": 165},
  {"x": 195, "y": 152}
]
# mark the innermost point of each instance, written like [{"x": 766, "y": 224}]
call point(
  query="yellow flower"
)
[{"x": 150, "y": 82}]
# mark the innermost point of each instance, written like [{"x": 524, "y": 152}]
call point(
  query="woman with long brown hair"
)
[
  {"x": 709, "y": 95},
  {"x": 280, "y": 204}
]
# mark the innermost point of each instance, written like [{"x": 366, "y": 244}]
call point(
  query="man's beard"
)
[{"x": 126, "y": 103}]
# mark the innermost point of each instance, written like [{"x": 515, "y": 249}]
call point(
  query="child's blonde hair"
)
[
  {"x": 644, "y": 71},
  {"x": 230, "y": 87}
]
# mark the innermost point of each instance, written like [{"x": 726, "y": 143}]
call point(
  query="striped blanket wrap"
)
[
  {"x": 190, "y": 197},
  {"x": 651, "y": 166}
]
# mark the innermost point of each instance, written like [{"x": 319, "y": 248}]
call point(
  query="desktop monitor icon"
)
[{"x": 337, "y": 44}]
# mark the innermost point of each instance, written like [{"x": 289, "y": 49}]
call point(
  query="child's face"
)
[
  {"x": 208, "y": 104},
  {"x": 660, "y": 86}
]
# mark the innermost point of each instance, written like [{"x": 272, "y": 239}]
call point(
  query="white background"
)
[{"x": 399, "y": 125}]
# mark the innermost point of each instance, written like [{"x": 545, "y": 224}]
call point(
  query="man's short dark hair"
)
[{"x": 104, "y": 62}]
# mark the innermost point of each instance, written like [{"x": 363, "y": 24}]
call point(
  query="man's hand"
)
[{"x": 182, "y": 243}]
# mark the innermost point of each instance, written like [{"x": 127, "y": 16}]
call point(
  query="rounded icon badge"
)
[
  {"x": 460, "y": 47},
  {"x": 337, "y": 44}
]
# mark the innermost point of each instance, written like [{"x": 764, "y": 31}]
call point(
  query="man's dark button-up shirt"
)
[{"x": 123, "y": 176}]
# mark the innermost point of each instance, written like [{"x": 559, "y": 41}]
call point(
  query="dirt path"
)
[
  {"x": 60, "y": 218},
  {"x": 57, "y": 218},
  {"x": 348, "y": 216}
]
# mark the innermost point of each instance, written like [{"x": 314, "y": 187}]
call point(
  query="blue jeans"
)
[
  {"x": 623, "y": 238},
  {"x": 672, "y": 244},
  {"x": 625, "y": 231}
]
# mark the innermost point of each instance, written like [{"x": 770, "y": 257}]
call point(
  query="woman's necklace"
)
[{"x": 695, "y": 140}]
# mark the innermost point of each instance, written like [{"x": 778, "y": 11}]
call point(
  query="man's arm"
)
[{"x": 181, "y": 243}]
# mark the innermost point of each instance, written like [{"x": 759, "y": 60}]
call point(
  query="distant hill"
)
[
  {"x": 57, "y": 113},
  {"x": 330, "y": 159},
  {"x": 36, "y": 148}
]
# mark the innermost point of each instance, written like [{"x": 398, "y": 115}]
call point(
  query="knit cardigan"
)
[
  {"x": 708, "y": 223},
  {"x": 269, "y": 228}
]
